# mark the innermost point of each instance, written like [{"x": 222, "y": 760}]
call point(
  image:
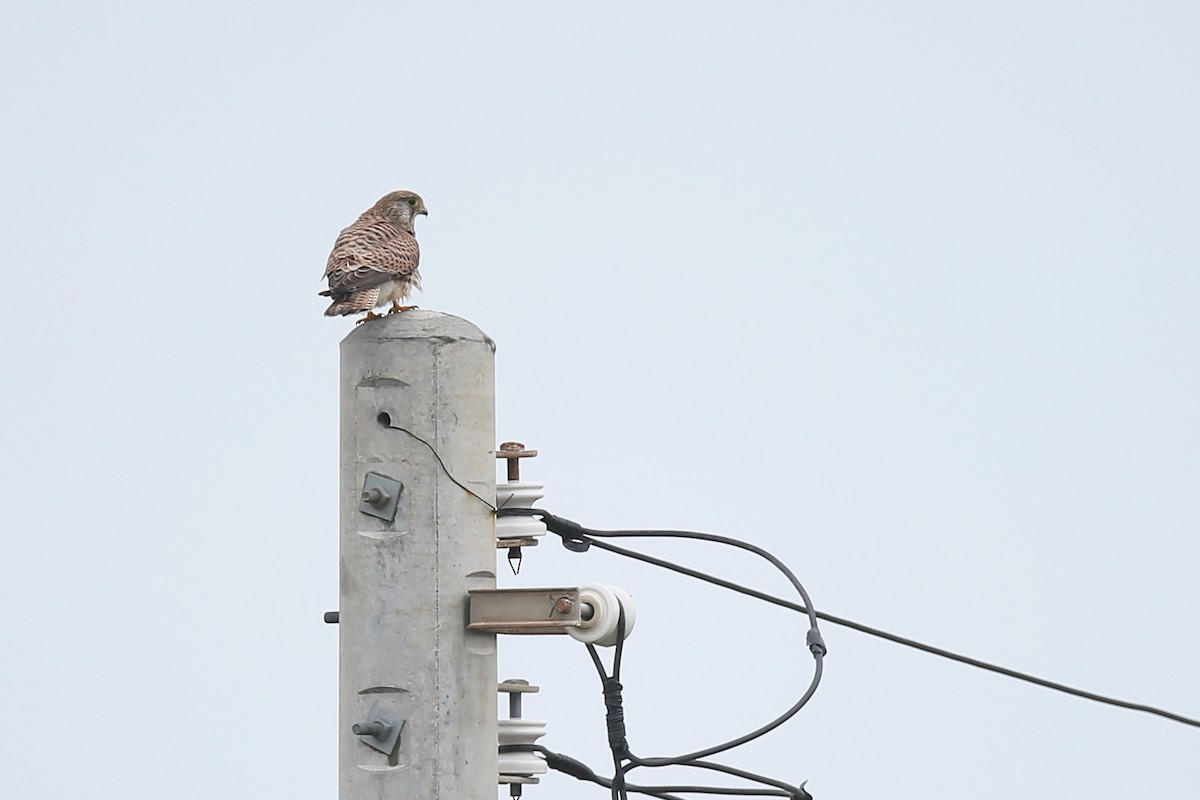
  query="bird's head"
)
[{"x": 401, "y": 207}]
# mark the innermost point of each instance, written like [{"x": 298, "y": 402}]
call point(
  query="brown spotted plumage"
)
[{"x": 374, "y": 261}]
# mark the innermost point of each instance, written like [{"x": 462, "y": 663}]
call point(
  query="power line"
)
[
  {"x": 577, "y": 538},
  {"x": 623, "y": 758},
  {"x": 577, "y": 769}
]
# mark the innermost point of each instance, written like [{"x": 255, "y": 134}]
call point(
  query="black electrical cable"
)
[
  {"x": 614, "y": 711},
  {"x": 786, "y": 788},
  {"x": 815, "y": 642},
  {"x": 623, "y": 758},
  {"x": 580, "y": 538},
  {"x": 385, "y": 420},
  {"x": 577, "y": 769},
  {"x": 619, "y": 745},
  {"x": 572, "y": 532},
  {"x": 731, "y": 790},
  {"x": 897, "y": 639}
]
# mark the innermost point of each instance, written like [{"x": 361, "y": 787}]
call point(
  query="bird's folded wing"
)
[
  {"x": 368, "y": 254},
  {"x": 351, "y": 279}
]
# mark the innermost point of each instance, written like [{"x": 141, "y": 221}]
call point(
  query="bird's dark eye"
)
[{"x": 412, "y": 201}]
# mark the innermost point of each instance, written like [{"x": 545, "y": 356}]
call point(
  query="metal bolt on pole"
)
[
  {"x": 417, "y": 690},
  {"x": 513, "y": 452}
]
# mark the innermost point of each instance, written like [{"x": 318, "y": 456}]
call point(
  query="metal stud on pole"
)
[{"x": 417, "y": 690}]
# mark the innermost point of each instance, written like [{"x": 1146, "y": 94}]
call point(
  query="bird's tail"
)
[
  {"x": 354, "y": 302},
  {"x": 341, "y": 308}
]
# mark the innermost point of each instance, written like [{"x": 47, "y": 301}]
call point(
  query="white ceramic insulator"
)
[
  {"x": 517, "y": 494},
  {"x": 521, "y": 731},
  {"x": 606, "y": 603}
]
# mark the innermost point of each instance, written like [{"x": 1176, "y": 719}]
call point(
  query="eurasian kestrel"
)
[{"x": 374, "y": 261}]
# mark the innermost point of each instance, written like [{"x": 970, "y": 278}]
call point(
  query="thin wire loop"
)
[{"x": 441, "y": 463}]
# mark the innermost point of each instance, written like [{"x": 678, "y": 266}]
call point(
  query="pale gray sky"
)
[{"x": 905, "y": 292}]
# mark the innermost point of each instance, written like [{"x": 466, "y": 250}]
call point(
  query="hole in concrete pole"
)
[{"x": 384, "y": 419}]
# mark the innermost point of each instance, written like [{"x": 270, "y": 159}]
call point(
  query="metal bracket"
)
[
  {"x": 380, "y": 496},
  {"x": 524, "y": 611},
  {"x": 508, "y": 544},
  {"x": 380, "y": 731}
]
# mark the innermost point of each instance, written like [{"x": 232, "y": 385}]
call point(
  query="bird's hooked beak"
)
[{"x": 421, "y": 210}]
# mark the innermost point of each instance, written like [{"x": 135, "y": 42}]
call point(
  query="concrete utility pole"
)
[{"x": 417, "y": 698}]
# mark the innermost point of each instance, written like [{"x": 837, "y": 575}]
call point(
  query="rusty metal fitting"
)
[{"x": 513, "y": 452}]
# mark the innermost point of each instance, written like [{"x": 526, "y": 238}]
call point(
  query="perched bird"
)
[{"x": 374, "y": 261}]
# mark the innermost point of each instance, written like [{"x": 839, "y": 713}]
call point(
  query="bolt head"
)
[
  {"x": 563, "y": 605},
  {"x": 375, "y": 496}
]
